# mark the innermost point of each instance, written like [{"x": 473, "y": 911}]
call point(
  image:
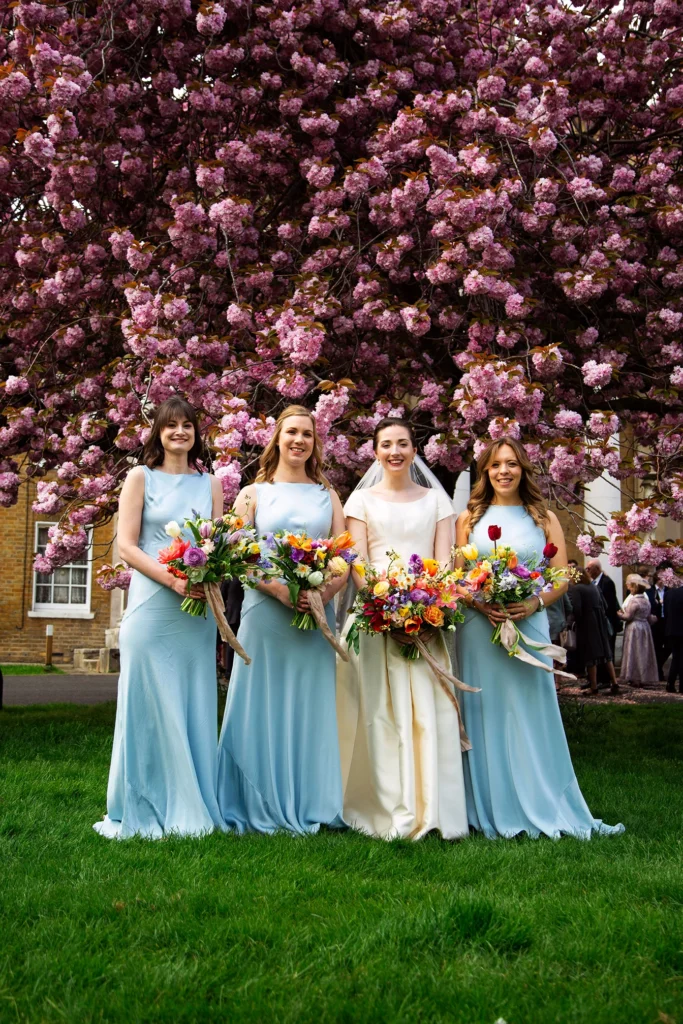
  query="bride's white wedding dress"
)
[{"x": 398, "y": 732}]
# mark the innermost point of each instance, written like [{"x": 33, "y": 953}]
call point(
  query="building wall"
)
[{"x": 22, "y": 635}]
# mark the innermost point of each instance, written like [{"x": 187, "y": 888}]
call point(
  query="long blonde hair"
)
[
  {"x": 482, "y": 493},
  {"x": 270, "y": 458}
]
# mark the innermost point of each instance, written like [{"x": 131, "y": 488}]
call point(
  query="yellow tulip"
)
[{"x": 470, "y": 552}]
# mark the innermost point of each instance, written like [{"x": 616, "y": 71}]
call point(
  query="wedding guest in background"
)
[
  {"x": 278, "y": 753},
  {"x": 673, "y": 619},
  {"x": 593, "y": 646},
  {"x": 656, "y": 595},
  {"x": 558, "y": 614},
  {"x": 162, "y": 779},
  {"x": 638, "y": 661},
  {"x": 605, "y": 585}
]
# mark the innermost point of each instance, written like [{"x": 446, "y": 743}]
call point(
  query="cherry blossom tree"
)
[{"x": 468, "y": 212}]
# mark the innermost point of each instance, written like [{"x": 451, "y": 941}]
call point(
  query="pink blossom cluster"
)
[
  {"x": 114, "y": 577},
  {"x": 589, "y": 545},
  {"x": 248, "y": 200}
]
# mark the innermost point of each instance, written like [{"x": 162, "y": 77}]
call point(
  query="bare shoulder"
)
[
  {"x": 335, "y": 499},
  {"x": 463, "y": 519},
  {"x": 135, "y": 480},
  {"x": 555, "y": 523}
]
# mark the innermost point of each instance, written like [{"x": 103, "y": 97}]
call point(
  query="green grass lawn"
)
[
  {"x": 30, "y": 670},
  {"x": 338, "y": 927}
]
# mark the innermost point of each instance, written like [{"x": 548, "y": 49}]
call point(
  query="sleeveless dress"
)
[
  {"x": 518, "y": 774},
  {"x": 278, "y": 757},
  {"x": 399, "y": 734},
  {"x": 163, "y": 768},
  {"x": 638, "y": 660}
]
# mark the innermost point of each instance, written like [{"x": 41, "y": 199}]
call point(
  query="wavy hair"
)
[
  {"x": 173, "y": 408},
  {"x": 270, "y": 458},
  {"x": 530, "y": 493}
]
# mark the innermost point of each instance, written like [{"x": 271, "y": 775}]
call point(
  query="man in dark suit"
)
[
  {"x": 673, "y": 624},
  {"x": 608, "y": 590},
  {"x": 656, "y": 595}
]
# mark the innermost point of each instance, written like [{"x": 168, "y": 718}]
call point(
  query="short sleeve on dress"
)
[
  {"x": 355, "y": 507},
  {"x": 444, "y": 506}
]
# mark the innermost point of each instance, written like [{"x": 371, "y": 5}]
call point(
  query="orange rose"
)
[{"x": 434, "y": 616}]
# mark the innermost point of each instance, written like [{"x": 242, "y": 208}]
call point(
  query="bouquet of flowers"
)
[
  {"x": 410, "y": 603},
  {"x": 221, "y": 549},
  {"x": 504, "y": 578},
  {"x": 304, "y": 563}
]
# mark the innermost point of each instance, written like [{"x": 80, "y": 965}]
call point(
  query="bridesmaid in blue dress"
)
[
  {"x": 278, "y": 759},
  {"x": 518, "y": 774},
  {"x": 163, "y": 772}
]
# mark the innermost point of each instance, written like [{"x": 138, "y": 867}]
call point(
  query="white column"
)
[
  {"x": 461, "y": 494},
  {"x": 603, "y": 497}
]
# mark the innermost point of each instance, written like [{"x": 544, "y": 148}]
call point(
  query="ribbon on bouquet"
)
[
  {"x": 443, "y": 678},
  {"x": 509, "y": 636},
  {"x": 315, "y": 603},
  {"x": 215, "y": 601}
]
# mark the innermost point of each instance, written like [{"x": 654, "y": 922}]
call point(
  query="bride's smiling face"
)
[
  {"x": 395, "y": 451},
  {"x": 296, "y": 440}
]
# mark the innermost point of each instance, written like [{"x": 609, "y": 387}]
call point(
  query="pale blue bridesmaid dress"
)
[
  {"x": 163, "y": 772},
  {"x": 518, "y": 774},
  {"x": 278, "y": 757}
]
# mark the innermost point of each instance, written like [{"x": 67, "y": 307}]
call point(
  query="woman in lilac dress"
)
[{"x": 639, "y": 660}]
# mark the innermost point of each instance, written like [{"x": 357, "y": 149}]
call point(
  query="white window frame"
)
[{"x": 62, "y": 611}]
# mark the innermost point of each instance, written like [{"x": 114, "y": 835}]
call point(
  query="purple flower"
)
[
  {"x": 417, "y": 595},
  {"x": 205, "y": 530},
  {"x": 416, "y": 565},
  {"x": 349, "y": 555},
  {"x": 194, "y": 557},
  {"x": 521, "y": 571},
  {"x": 237, "y": 535},
  {"x": 297, "y": 555}
]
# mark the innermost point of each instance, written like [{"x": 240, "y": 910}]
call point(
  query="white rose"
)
[
  {"x": 315, "y": 579},
  {"x": 172, "y": 529}
]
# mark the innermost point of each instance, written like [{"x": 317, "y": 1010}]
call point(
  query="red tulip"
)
[
  {"x": 494, "y": 533},
  {"x": 549, "y": 551}
]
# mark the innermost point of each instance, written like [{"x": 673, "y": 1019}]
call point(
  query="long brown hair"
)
[
  {"x": 172, "y": 409},
  {"x": 529, "y": 492},
  {"x": 270, "y": 458}
]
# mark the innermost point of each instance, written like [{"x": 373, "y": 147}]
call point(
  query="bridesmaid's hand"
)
[
  {"x": 524, "y": 609},
  {"x": 196, "y": 590},
  {"x": 493, "y": 612},
  {"x": 303, "y": 605}
]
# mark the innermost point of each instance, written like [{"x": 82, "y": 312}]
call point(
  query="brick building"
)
[{"x": 70, "y": 600}]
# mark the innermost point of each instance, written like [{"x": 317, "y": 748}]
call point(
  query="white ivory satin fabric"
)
[{"x": 398, "y": 732}]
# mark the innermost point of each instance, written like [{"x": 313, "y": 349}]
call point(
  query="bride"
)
[{"x": 398, "y": 731}]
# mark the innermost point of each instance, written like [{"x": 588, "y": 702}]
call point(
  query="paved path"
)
[{"x": 60, "y": 689}]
